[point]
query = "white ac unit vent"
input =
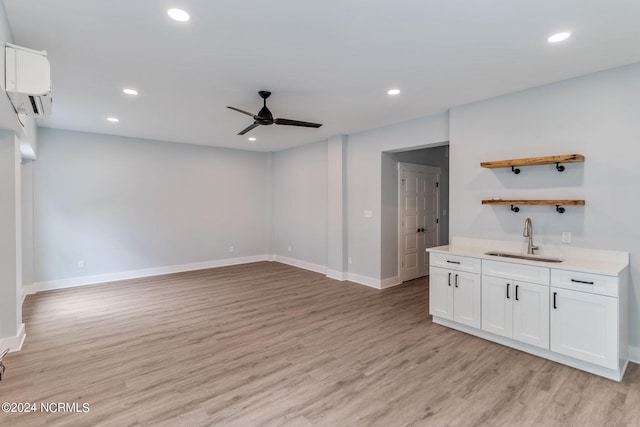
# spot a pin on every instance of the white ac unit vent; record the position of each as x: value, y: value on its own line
x: 28, y: 80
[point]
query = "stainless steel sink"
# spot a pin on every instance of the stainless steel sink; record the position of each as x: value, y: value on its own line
x: 527, y: 257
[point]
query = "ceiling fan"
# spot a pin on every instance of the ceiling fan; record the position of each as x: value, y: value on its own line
x: 264, y: 117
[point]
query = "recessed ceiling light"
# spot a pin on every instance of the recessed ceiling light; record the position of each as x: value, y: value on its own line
x: 130, y: 91
x: 252, y: 139
x: 559, y: 37
x: 393, y: 91
x: 113, y: 119
x: 178, y: 15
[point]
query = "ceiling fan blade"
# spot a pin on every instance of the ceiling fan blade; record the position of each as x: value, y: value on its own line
x: 241, y: 111
x: 296, y: 123
x: 248, y: 128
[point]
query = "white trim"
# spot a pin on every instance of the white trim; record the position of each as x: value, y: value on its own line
x: 134, y: 274
x: 337, y: 275
x: 13, y: 343
x: 634, y: 354
x: 390, y: 282
x: 364, y: 280
x: 301, y: 264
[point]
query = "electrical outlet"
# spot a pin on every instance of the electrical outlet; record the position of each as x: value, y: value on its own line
x: 289, y: 248
x: 230, y: 248
x: 81, y: 263
x: 566, y: 237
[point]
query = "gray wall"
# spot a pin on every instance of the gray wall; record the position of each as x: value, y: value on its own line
x: 125, y: 204
x: 27, y: 222
x: 595, y: 115
x: 10, y: 237
x: 368, y: 236
x: 300, y: 203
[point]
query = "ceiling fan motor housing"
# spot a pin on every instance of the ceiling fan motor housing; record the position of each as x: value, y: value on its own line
x: 264, y: 117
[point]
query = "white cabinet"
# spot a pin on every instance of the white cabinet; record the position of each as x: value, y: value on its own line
x: 531, y: 314
x: 574, y: 313
x: 454, y: 292
x: 466, y: 299
x: 585, y: 320
x: 513, y: 308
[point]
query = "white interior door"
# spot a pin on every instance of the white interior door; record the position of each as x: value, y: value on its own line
x: 418, y: 215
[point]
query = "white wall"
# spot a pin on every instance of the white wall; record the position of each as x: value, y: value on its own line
x: 300, y: 204
x: 123, y: 204
x: 595, y: 115
x: 364, y: 191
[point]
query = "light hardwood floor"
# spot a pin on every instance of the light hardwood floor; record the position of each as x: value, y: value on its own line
x: 269, y: 344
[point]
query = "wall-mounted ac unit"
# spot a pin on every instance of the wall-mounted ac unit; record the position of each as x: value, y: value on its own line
x: 28, y: 80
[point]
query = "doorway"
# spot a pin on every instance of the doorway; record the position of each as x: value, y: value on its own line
x: 436, y: 156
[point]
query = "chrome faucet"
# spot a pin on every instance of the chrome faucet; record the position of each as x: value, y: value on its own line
x: 528, y: 232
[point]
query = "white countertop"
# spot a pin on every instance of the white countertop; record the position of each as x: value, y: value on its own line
x: 596, y: 261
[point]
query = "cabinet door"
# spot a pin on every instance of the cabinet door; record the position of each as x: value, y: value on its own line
x: 584, y: 326
x: 466, y: 298
x: 497, y: 307
x: 531, y: 314
x: 441, y: 292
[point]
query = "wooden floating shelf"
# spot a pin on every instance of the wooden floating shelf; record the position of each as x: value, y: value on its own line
x: 533, y: 202
x: 514, y: 203
x: 532, y: 161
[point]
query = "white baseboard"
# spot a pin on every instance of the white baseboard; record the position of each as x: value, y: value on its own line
x: 364, y: 280
x: 391, y: 281
x: 301, y: 264
x: 135, y: 274
x: 634, y: 354
x: 337, y: 275
x: 13, y: 343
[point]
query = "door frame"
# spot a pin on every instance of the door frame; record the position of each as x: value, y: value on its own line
x: 414, y: 167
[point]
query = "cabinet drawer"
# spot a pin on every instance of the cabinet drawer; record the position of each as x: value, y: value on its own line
x: 455, y: 262
x: 514, y: 271
x: 585, y: 282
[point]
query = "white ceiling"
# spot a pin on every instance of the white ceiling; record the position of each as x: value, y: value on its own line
x: 327, y: 61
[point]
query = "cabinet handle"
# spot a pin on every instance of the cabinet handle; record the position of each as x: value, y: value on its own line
x: 517, y: 299
x: 555, y: 305
x: 456, y: 281
x: 508, y: 297
x: 582, y: 281
x: 449, y: 279
x: 453, y: 262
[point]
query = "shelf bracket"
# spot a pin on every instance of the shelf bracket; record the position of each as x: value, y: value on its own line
x: 560, y: 209
x: 515, y: 208
x: 515, y: 170
x: 559, y: 167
